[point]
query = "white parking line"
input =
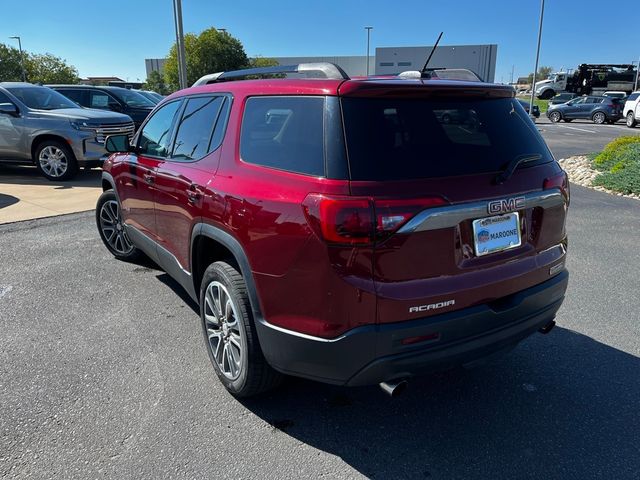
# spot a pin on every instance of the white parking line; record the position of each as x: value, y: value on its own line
x: 579, y: 129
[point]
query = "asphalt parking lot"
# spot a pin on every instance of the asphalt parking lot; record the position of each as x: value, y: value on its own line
x: 103, y: 374
x: 580, y: 136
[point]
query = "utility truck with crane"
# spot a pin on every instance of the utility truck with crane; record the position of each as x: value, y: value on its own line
x: 588, y: 79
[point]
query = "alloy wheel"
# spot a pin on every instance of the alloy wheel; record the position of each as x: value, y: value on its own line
x: 53, y: 161
x: 112, y: 228
x: 223, y: 330
x: 599, y: 118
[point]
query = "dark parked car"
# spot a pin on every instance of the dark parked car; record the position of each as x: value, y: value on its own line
x: 525, y: 105
x: 156, y: 98
x: 562, y: 98
x: 116, y: 99
x: 597, y: 109
x: 337, y: 229
x: 42, y: 127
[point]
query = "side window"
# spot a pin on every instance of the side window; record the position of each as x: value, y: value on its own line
x: 78, y: 96
x: 221, y: 126
x: 285, y: 133
x: 633, y: 96
x: 102, y: 100
x: 193, y: 136
x: 4, y: 98
x: 155, y: 136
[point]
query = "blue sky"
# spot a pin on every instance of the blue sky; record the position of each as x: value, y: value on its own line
x: 116, y: 37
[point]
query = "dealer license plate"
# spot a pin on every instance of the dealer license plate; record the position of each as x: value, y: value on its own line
x: 495, y: 234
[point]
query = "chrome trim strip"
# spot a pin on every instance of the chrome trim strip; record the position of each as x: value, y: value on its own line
x: 452, y: 215
x: 302, y: 335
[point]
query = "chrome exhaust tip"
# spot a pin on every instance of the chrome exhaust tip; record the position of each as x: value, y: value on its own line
x: 394, y: 388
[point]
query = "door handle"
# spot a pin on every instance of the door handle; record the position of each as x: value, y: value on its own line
x: 148, y: 178
x: 194, y: 193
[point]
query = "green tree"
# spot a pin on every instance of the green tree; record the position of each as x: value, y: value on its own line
x: 543, y: 72
x: 258, y: 61
x: 155, y: 82
x: 47, y: 68
x: 209, y: 52
x: 10, y: 68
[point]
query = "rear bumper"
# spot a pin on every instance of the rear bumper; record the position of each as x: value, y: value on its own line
x: 374, y: 353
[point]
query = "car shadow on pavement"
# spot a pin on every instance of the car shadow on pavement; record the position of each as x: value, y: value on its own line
x: 559, y: 406
x: 29, y: 175
x: 177, y: 289
x: 7, y: 200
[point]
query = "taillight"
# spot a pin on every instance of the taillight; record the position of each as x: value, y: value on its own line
x: 560, y: 181
x: 360, y: 220
x: 393, y: 214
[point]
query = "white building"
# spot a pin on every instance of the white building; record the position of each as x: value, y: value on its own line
x: 392, y: 60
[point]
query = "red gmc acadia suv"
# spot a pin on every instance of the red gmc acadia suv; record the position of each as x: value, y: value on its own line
x: 350, y: 231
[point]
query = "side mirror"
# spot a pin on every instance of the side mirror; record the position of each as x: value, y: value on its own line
x: 117, y: 144
x: 8, y: 109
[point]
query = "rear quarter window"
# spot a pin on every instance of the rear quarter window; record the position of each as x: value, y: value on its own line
x: 285, y: 133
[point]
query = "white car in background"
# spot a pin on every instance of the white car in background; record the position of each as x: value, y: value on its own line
x: 631, y: 109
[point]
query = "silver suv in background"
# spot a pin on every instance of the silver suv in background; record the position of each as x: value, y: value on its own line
x: 41, y: 126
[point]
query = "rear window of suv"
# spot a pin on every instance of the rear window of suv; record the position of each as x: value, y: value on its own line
x: 405, y: 139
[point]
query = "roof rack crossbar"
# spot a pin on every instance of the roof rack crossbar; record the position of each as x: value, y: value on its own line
x: 326, y: 70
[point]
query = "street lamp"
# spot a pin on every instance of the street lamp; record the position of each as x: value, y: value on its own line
x: 182, y: 57
x: 368, y: 29
x: 24, y: 74
x: 535, y: 71
x: 223, y: 30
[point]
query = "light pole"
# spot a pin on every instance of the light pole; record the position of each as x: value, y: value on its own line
x: 368, y: 29
x: 535, y: 71
x: 182, y: 60
x: 24, y: 74
x: 637, y: 75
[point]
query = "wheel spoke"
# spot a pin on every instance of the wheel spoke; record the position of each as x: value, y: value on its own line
x: 228, y: 313
x: 233, y: 368
x: 211, y: 318
x: 217, y: 303
x: 105, y: 212
x: 109, y: 236
x: 235, y: 340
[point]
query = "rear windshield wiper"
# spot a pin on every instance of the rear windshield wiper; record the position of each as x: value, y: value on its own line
x: 513, y: 164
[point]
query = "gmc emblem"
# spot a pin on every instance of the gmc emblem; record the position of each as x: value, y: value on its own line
x: 508, y: 205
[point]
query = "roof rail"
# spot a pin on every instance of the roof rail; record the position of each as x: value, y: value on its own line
x: 326, y: 70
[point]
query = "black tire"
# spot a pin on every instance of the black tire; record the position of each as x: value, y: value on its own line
x: 568, y: 120
x: 110, y: 227
x: 599, y: 118
x: 255, y: 375
x: 54, y: 167
x: 547, y: 94
x: 446, y: 118
x: 555, y: 117
x: 631, y: 120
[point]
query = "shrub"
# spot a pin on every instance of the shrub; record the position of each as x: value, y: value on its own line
x: 619, y: 163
